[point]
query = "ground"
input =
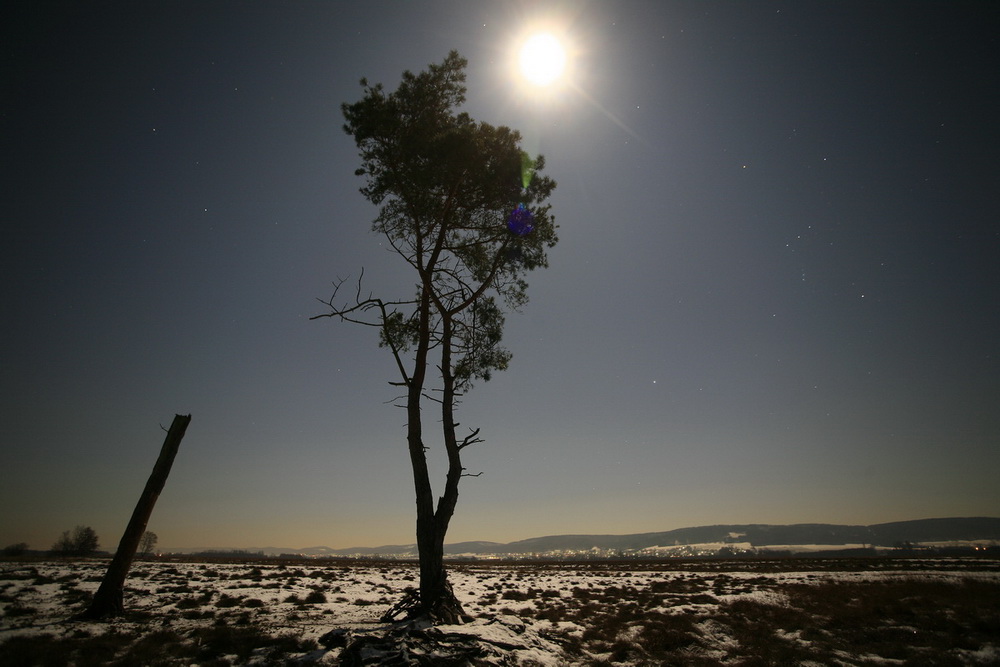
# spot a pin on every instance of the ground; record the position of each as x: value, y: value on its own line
x: 879, y: 611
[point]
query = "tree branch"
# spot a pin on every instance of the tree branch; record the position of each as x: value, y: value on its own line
x: 363, y: 306
x: 470, y: 439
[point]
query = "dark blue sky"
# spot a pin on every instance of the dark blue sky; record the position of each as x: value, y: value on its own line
x: 774, y: 299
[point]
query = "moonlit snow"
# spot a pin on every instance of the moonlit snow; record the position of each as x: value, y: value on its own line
x: 524, y: 613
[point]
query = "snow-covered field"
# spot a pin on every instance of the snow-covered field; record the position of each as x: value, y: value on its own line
x: 737, y: 612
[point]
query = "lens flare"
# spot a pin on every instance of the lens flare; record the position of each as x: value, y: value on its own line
x: 520, y: 221
x: 527, y: 169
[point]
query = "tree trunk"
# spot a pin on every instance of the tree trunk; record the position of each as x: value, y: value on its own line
x: 437, y: 598
x: 108, y: 600
x: 436, y: 602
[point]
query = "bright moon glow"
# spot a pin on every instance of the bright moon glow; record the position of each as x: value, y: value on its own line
x: 542, y: 59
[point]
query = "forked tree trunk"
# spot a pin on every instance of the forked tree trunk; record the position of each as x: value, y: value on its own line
x: 108, y: 600
x: 436, y: 602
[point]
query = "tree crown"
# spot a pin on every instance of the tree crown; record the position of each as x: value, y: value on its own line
x: 447, y: 188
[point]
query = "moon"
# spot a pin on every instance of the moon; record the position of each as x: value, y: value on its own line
x: 542, y: 59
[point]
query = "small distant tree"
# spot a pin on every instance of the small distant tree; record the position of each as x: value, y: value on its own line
x: 147, y: 543
x: 64, y: 545
x: 82, y: 541
x: 18, y: 549
x: 464, y: 207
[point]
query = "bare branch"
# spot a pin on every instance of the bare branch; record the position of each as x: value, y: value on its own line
x: 345, y: 313
x: 357, y: 295
x: 392, y: 401
x: 470, y: 439
x: 431, y: 398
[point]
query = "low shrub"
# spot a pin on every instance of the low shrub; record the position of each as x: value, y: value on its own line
x: 315, y: 597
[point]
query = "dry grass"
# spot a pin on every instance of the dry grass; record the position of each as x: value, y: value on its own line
x: 674, y: 613
x: 911, y: 622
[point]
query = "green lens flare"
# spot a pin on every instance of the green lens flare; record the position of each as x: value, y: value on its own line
x: 527, y: 169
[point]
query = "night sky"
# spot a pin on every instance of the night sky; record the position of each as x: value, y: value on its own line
x: 774, y: 299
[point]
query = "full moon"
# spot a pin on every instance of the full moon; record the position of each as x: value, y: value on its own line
x: 542, y: 59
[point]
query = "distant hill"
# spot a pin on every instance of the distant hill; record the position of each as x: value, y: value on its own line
x: 760, y: 535
x: 964, y: 529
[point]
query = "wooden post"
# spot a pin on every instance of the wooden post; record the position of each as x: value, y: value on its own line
x: 108, y: 600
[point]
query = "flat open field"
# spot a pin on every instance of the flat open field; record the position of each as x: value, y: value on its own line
x: 698, y: 612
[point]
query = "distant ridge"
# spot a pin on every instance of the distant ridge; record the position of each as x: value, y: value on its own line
x: 960, y: 529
